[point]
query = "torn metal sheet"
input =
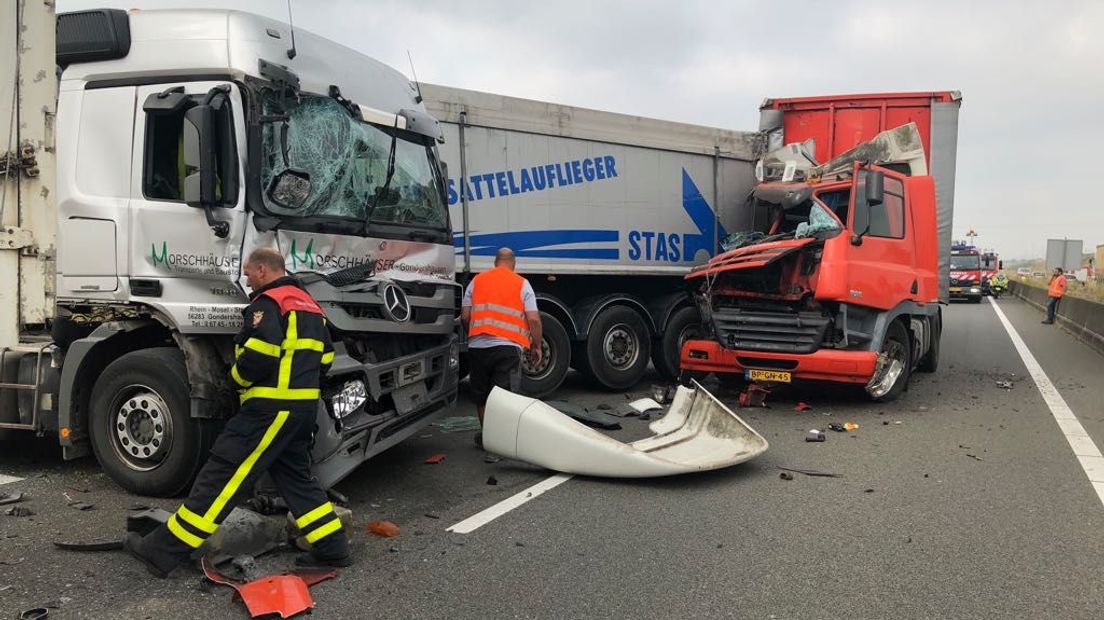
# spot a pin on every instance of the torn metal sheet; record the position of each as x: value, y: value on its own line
x: 699, y: 433
x: 900, y: 145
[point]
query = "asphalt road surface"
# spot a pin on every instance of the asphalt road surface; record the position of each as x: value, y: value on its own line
x: 961, y: 500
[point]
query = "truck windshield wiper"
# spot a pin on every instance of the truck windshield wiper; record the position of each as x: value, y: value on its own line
x: 383, y: 191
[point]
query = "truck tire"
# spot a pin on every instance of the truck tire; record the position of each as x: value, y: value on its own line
x: 930, y: 361
x: 617, y: 348
x: 542, y: 380
x: 140, y: 424
x: 683, y: 325
x: 898, y: 347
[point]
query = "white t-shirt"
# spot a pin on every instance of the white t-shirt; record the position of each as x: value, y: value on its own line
x: 483, y: 341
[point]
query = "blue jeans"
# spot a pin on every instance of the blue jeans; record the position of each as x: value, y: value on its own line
x: 1052, y: 307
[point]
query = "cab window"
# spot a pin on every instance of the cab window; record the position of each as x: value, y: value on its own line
x: 888, y: 218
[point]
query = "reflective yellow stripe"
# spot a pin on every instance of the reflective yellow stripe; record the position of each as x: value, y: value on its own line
x: 327, y: 358
x: 284, y: 380
x: 279, y: 394
x: 184, y: 535
x: 499, y: 324
x: 238, y: 378
x: 265, y: 348
x: 497, y: 308
x: 195, y: 520
x: 239, y: 476
x: 238, y: 350
x: 303, y: 344
x: 324, y: 531
x: 314, y: 515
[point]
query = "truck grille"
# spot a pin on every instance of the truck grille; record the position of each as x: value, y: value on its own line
x: 780, y: 332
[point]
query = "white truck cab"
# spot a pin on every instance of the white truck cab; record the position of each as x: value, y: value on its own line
x: 185, y: 139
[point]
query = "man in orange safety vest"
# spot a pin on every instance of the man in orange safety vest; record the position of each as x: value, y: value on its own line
x: 500, y: 312
x: 1055, y: 291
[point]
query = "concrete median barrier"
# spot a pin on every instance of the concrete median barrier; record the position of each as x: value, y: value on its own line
x: 1080, y: 317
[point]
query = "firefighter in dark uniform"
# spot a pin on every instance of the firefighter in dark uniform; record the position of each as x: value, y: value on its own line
x: 281, y: 352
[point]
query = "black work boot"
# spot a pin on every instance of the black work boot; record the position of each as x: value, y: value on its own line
x: 313, y: 561
x: 133, y: 544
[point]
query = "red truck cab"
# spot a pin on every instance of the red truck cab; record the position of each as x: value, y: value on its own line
x: 840, y: 277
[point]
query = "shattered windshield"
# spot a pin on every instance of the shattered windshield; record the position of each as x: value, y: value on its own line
x: 964, y: 262
x: 819, y: 221
x: 347, y: 163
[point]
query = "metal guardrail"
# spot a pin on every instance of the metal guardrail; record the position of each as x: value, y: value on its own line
x: 1081, y: 317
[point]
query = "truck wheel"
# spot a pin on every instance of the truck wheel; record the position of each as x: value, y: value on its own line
x: 685, y: 324
x: 140, y: 426
x: 617, y: 348
x: 892, y: 376
x: 930, y: 361
x: 543, y: 379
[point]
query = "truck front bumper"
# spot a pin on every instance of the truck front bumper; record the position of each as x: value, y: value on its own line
x: 822, y: 365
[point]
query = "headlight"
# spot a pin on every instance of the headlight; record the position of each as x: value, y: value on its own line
x: 349, y: 399
x: 454, y: 356
x: 975, y: 289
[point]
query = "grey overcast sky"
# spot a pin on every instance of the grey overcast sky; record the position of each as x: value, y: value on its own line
x: 1031, y: 75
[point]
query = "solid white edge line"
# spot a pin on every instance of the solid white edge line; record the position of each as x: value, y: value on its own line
x: 480, y: 519
x: 4, y: 479
x: 1083, y: 446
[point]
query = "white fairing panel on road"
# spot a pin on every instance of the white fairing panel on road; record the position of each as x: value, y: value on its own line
x: 698, y: 433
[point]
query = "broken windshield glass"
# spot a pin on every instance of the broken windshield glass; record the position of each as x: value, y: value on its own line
x: 819, y: 221
x: 347, y: 163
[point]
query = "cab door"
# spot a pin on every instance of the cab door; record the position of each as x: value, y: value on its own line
x: 178, y: 263
x: 882, y: 256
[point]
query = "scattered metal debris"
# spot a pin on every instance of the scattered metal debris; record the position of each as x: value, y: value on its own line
x: 837, y: 427
x: 786, y: 475
x: 974, y: 456
x: 810, y: 472
x: 815, y: 435
x: 663, y: 394
x: 645, y: 405
x: 458, y: 424
x: 1006, y: 385
x: 103, y: 544
x: 19, y: 511
x: 432, y: 515
x: 596, y: 419
x: 10, y: 498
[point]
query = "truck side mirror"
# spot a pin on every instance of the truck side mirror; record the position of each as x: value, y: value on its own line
x: 200, y: 157
x: 1000, y: 264
x: 875, y: 187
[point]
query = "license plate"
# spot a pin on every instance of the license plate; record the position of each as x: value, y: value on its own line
x: 409, y: 373
x: 777, y: 376
x: 956, y: 289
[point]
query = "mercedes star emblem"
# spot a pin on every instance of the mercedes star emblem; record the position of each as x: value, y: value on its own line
x: 395, y: 304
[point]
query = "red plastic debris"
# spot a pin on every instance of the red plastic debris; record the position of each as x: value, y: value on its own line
x: 283, y: 595
x: 436, y: 458
x: 802, y: 407
x: 385, y: 529
x: 754, y: 396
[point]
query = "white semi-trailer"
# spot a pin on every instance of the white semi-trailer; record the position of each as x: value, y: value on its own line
x: 606, y: 213
x: 140, y: 162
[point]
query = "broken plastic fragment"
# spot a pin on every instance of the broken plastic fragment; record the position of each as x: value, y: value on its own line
x: 283, y: 595
x: 385, y: 529
x: 802, y: 407
x: 815, y: 435
x: 645, y: 405
x: 850, y: 426
x: 698, y: 433
x: 435, y: 459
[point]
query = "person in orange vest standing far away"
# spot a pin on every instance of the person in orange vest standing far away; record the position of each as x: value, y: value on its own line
x: 501, y: 316
x: 1055, y: 292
